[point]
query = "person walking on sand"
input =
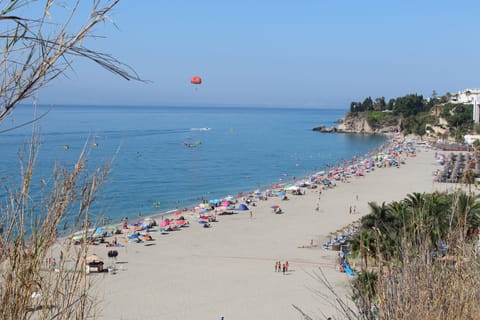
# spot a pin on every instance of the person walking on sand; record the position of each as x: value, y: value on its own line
x: 286, y: 266
x: 283, y: 268
x: 251, y: 214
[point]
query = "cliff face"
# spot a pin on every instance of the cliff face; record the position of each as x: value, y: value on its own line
x: 354, y: 125
x: 358, y: 124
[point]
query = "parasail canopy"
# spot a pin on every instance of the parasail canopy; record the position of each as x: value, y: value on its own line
x: 196, y: 80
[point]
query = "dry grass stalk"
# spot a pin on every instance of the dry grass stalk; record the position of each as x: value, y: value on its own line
x: 35, y: 50
x: 29, y: 287
x: 425, y: 288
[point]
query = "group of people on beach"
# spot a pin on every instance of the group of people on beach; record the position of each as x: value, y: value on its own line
x: 279, y: 267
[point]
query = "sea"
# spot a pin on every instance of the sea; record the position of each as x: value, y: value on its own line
x: 167, y: 158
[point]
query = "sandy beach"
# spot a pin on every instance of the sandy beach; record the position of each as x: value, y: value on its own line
x: 229, y: 269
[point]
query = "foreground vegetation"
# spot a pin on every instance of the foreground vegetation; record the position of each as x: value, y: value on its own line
x: 37, y: 49
x: 419, y: 259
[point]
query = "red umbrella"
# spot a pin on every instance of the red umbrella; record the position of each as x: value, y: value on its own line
x: 177, y: 212
x: 275, y: 206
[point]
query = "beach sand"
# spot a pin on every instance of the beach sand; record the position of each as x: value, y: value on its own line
x: 229, y: 269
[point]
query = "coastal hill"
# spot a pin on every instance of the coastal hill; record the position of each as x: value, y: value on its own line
x: 435, y: 118
x: 358, y: 123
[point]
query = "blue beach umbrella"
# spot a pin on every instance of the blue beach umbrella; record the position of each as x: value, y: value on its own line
x: 242, y: 207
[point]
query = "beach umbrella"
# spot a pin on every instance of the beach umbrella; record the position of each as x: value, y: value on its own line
x: 164, y: 223
x: 112, y: 228
x: 242, y: 207
x: 225, y: 203
x: 177, y: 212
x: 150, y: 221
x: 180, y: 223
x: 133, y: 236
x: 275, y: 206
x: 99, y: 231
x: 202, y: 221
x: 77, y: 236
x: 228, y: 198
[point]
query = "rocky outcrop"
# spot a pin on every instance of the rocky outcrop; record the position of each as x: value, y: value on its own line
x: 357, y: 123
x: 325, y: 129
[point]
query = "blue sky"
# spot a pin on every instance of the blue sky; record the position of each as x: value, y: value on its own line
x: 302, y: 53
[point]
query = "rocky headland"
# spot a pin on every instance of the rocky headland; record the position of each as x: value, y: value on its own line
x: 358, y: 123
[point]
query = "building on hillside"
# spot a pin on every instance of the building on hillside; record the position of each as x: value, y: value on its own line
x: 471, y: 138
x: 469, y: 96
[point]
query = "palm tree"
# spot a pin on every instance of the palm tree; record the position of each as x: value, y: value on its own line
x: 466, y: 210
x: 364, y: 244
x: 377, y: 217
x: 415, y: 200
x: 468, y: 177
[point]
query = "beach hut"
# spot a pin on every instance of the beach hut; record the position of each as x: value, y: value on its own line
x: 94, y: 264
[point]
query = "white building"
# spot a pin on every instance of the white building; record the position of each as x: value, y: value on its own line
x: 471, y: 138
x: 469, y: 96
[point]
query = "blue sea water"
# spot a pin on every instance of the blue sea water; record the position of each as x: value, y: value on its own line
x: 164, y: 155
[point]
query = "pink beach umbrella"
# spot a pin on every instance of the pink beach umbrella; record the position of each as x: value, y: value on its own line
x: 180, y: 222
x: 164, y: 223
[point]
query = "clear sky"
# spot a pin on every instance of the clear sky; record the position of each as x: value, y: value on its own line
x: 302, y: 53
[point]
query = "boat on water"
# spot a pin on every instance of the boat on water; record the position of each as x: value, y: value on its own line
x: 201, y: 129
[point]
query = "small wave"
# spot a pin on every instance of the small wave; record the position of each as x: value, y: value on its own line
x: 200, y: 129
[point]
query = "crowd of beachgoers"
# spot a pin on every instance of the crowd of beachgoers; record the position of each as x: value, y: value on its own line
x: 392, y: 154
x: 219, y: 243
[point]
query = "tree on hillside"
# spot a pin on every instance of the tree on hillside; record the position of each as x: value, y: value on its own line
x: 409, y: 105
x: 379, y: 104
x: 35, y: 51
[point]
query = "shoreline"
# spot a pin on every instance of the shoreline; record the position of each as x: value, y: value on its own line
x: 169, y: 212
x: 229, y: 269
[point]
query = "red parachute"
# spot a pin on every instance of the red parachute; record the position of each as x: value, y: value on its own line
x: 196, y: 80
